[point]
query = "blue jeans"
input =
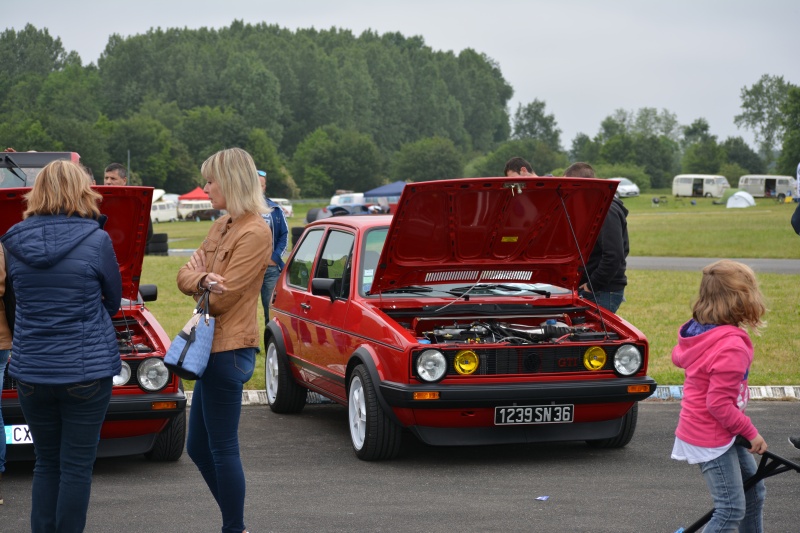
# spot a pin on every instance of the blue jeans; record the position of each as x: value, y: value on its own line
x: 3, y: 362
x: 270, y: 279
x: 65, y: 423
x: 734, y: 510
x: 609, y: 300
x: 213, y: 441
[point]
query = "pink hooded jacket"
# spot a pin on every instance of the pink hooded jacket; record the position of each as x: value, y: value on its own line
x: 715, y: 391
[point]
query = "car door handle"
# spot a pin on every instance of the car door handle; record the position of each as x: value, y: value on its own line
x: 306, y: 306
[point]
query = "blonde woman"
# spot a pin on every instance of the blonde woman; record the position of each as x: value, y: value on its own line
x: 230, y: 263
x: 68, y: 287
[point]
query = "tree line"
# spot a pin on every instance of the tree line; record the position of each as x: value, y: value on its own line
x: 322, y: 110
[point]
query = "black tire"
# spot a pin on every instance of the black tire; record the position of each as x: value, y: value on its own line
x: 284, y: 395
x: 781, y: 198
x: 159, y: 237
x: 374, y: 435
x: 312, y: 214
x: 170, y: 442
x: 708, y: 195
x: 158, y: 248
x: 625, y: 435
x: 297, y: 232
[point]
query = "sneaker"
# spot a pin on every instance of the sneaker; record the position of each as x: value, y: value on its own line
x: 795, y: 441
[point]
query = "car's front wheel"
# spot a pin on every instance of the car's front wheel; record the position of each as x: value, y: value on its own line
x: 373, y: 434
x: 284, y: 395
x: 624, y: 436
x: 169, y: 443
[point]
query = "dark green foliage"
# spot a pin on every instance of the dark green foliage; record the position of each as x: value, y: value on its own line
x: 790, y: 113
x: 543, y: 159
x: 737, y: 152
x: 434, y: 158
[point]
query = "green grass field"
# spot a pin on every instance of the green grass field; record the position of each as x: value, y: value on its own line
x: 657, y: 302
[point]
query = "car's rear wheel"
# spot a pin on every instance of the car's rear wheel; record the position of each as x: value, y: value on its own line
x: 169, y: 443
x: 625, y: 435
x: 373, y: 434
x: 284, y: 395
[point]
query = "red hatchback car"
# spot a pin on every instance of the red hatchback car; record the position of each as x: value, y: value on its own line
x: 147, y: 413
x: 458, y: 318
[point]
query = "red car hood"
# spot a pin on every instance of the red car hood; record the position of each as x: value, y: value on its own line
x: 493, y: 230
x: 128, y: 211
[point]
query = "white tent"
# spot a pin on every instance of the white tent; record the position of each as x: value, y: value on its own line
x: 741, y: 199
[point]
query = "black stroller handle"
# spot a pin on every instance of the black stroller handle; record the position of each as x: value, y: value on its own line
x: 770, y: 465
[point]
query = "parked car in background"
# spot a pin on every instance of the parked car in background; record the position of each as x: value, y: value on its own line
x: 164, y: 212
x: 187, y: 207
x: 147, y: 413
x: 696, y: 185
x: 205, y: 214
x: 626, y: 188
x: 459, y: 319
x: 286, y: 206
x: 767, y: 186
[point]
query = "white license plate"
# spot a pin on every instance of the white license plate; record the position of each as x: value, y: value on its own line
x: 19, y: 434
x: 534, y: 414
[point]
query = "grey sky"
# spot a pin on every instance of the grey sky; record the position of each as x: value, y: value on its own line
x: 584, y: 58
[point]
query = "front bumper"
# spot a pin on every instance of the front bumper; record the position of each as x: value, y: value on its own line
x: 492, y: 395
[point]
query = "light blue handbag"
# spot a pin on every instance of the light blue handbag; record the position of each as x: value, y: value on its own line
x: 190, y: 349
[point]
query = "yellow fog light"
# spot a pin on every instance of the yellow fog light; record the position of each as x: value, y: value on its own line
x: 594, y: 358
x: 466, y: 362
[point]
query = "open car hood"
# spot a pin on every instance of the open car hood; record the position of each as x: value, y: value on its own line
x: 493, y: 230
x: 128, y: 211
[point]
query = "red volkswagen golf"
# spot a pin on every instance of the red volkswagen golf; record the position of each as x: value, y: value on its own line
x: 459, y: 319
x: 147, y: 413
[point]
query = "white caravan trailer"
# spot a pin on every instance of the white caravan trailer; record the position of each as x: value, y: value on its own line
x: 707, y: 185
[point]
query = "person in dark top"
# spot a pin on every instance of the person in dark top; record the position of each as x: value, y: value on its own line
x: 795, y: 441
x: 604, y: 279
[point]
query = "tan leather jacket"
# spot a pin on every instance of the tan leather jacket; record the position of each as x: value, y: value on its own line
x: 5, y: 331
x: 238, y: 250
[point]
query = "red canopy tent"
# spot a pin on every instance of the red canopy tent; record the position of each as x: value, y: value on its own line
x: 196, y: 194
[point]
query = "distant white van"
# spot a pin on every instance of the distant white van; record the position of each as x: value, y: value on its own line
x: 707, y: 185
x: 350, y: 198
x: 189, y: 206
x: 768, y: 186
x: 164, y: 212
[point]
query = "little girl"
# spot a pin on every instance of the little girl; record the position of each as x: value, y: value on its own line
x: 715, y: 352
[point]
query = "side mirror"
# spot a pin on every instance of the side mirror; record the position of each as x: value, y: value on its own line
x: 324, y: 287
x: 149, y: 293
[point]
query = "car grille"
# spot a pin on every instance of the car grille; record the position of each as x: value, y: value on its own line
x: 525, y: 360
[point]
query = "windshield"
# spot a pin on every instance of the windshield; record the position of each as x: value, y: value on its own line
x: 373, y: 245
x: 8, y: 178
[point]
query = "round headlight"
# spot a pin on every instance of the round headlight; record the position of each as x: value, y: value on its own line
x: 431, y: 365
x: 466, y: 362
x: 123, y: 376
x: 627, y: 360
x: 594, y: 358
x: 152, y: 374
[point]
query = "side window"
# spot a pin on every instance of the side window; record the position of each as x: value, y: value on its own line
x: 335, y: 259
x: 303, y: 260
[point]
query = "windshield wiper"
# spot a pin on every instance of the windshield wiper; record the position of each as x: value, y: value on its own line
x: 410, y: 288
x: 11, y: 165
x: 498, y: 286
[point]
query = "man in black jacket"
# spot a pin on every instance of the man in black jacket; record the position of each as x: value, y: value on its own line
x: 604, y: 279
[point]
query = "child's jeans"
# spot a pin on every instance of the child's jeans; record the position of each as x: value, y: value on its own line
x: 733, y: 509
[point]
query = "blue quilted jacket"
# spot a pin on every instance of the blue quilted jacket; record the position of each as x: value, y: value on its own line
x: 68, y: 286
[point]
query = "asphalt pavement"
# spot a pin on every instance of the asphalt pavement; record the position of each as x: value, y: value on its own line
x: 303, y: 476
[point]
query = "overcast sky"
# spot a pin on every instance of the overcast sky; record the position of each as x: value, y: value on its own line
x: 583, y: 58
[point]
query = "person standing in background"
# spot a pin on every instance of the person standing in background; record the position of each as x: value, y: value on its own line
x: 115, y: 174
x: 67, y: 283
x: 795, y: 440
x: 276, y: 221
x: 604, y: 279
x: 230, y: 264
x: 516, y: 166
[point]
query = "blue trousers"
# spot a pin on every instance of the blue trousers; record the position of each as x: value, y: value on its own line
x: 608, y: 300
x: 213, y: 441
x: 270, y: 279
x: 3, y: 362
x: 734, y: 509
x: 65, y: 422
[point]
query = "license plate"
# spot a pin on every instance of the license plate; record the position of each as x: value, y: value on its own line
x: 533, y: 414
x: 19, y: 434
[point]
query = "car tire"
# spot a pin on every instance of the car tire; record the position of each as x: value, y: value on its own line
x: 373, y: 434
x: 284, y: 395
x: 170, y: 442
x: 625, y: 435
x: 157, y: 248
x: 159, y: 237
x: 312, y: 214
